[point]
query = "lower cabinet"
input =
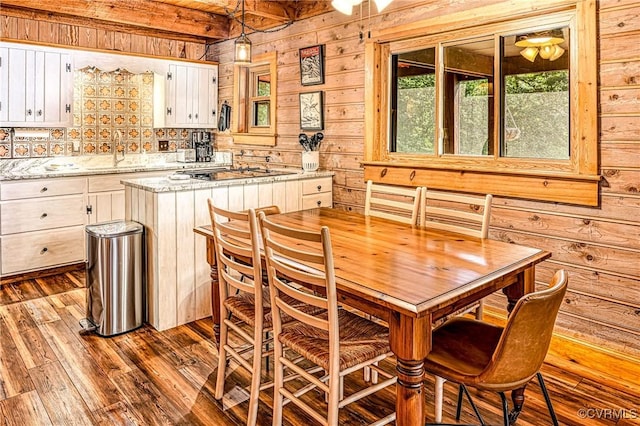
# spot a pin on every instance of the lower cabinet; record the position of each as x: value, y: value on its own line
x: 42, y: 220
x: 41, y: 224
x: 42, y: 249
x: 178, y: 275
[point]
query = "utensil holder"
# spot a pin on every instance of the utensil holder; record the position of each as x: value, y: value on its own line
x: 310, y: 161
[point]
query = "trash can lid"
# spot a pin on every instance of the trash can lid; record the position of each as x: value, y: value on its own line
x: 115, y: 228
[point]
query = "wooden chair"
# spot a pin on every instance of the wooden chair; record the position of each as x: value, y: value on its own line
x: 488, y: 357
x: 244, y: 300
x: 463, y: 214
x: 392, y: 202
x: 300, y: 269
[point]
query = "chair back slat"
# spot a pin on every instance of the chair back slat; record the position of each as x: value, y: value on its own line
x: 237, y: 248
x: 453, y: 212
x: 527, y: 335
x: 300, y: 271
x: 392, y: 202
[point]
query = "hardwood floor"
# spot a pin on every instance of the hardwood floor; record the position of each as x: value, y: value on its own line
x: 50, y: 374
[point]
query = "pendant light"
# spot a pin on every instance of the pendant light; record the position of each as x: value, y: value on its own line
x: 243, y: 45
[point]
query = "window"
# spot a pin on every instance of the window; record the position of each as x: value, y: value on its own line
x: 505, y: 107
x: 254, y: 101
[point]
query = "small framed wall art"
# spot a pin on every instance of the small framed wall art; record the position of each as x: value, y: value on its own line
x: 312, y: 65
x: 311, y: 111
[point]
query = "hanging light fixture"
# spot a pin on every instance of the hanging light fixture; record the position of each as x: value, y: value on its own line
x: 346, y: 6
x: 544, y: 43
x: 243, y: 45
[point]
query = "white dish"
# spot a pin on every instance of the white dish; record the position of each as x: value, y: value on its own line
x: 57, y: 166
x: 179, y: 177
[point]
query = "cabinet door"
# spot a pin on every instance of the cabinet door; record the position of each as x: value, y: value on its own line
x: 192, y: 95
x: 17, y: 75
x: 53, y: 104
x: 4, y: 84
x: 40, y: 88
x: 212, y: 97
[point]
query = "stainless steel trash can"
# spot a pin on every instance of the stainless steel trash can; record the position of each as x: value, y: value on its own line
x: 115, y: 277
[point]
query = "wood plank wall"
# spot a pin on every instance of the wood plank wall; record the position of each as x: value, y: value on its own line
x: 600, y: 247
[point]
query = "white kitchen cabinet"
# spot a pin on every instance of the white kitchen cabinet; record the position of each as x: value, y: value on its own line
x: 36, y: 86
x: 105, y: 195
x: 317, y: 193
x: 41, y: 224
x: 191, y: 95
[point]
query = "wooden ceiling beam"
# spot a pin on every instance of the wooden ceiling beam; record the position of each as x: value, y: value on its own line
x: 37, y: 15
x: 146, y: 14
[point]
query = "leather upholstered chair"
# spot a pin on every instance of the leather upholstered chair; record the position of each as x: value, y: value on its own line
x: 336, y: 342
x: 499, y: 359
x: 463, y: 214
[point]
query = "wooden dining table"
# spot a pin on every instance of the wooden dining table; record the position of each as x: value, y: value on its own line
x: 410, y: 277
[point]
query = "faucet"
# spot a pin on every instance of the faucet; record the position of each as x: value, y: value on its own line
x: 117, y: 140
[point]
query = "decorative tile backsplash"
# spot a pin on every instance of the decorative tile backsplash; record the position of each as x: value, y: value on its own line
x: 104, y: 102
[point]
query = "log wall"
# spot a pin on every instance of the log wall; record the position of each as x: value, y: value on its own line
x: 600, y: 247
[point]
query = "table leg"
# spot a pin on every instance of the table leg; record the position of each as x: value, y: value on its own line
x: 215, y: 290
x: 410, y: 340
x: 524, y: 285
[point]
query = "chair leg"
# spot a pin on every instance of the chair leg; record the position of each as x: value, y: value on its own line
x: 439, y: 387
x: 480, y: 310
x: 254, y: 398
x: 278, y: 383
x: 222, y: 359
x: 552, y: 412
x: 459, y: 404
x: 473, y: 405
x: 505, y: 409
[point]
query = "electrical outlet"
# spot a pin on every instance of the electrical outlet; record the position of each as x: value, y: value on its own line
x: 163, y: 146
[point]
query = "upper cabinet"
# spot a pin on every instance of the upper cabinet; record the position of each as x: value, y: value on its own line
x: 36, y: 86
x: 191, y: 96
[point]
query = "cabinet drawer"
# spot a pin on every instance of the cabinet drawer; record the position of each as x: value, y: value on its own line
x: 43, y: 249
x: 324, y: 199
x: 315, y: 186
x: 41, y: 214
x: 42, y: 188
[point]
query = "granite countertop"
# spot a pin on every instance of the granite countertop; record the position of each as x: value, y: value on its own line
x: 164, y: 184
x: 39, y: 168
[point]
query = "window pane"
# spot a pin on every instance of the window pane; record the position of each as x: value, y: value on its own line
x: 535, y: 70
x: 413, y: 106
x: 263, y: 86
x: 468, y: 98
x: 261, y: 113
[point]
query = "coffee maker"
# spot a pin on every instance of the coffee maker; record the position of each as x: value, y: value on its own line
x: 201, y: 141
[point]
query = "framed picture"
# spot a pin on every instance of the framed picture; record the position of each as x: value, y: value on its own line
x: 311, y: 115
x: 312, y: 65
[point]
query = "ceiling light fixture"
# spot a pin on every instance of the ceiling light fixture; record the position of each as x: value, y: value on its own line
x: 243, y: 45
x: 346, y: 6
x: 545, y: 43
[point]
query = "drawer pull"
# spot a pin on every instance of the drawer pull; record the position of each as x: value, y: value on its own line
x: 319, y: 203
x: 44, y: 189
x: 319, y: 188
x: 44, y: 250
x: 43, y: 215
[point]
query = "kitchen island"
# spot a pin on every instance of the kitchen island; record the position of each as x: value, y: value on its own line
x: 178, y: 275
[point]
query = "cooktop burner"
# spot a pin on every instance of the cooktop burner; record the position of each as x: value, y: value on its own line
x: 225, y: 174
